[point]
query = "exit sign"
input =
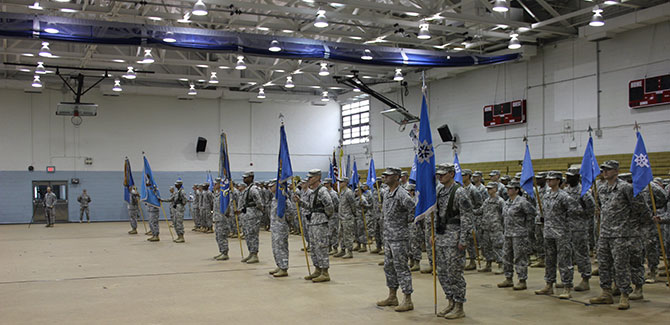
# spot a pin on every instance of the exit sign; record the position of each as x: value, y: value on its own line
x: 51, y: 169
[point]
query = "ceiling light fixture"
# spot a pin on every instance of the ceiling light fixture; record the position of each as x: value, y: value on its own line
x: 202, y: 66
x: 62, y: 0
x: 289, y: 82
x: 323, y: 71
x: 514, y: 43
x: 169, y: 38
x: 199, y: 9
x: 186, y: 19
x: 67, y: 10
x: 263, y: 28
x: 324, y: 97
x: 412, y: 14
x: 597, y: 18
x: 612, y: 2
x: 240, y: 63
x: 36, y: 6
x: 321, y: 21
x: 45, y: 52
x: 398, y: 75
x: 274, y: 46
x: 148, y: 57
x: 117, y: 85
x: 118, y: 61
x: 130, y: 74
x: 40, y: 68
x: 357, y: 90
x: 191, y: 90
x: 500, y: 6
x: 213, y: 79
x: 424, y: 33
x: 154, y: 18
x: 36, y: 82
x: 367, y: 55
x: 261, y: 93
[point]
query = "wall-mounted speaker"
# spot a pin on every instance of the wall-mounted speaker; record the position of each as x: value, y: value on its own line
x: 201, y: 145
x: 445, y: 134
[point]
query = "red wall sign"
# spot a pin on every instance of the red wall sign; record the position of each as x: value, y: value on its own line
x: 649, y: 92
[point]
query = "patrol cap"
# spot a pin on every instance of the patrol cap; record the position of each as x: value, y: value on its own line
x: 410, y: 187
x: 466, y: 171
x: 343, y: 179
x: 392, y: 171
x: 217, y: 180
x: 572, y: 172
x: 626, y: 177
x: 327, y: 180
x: 404, y: 173
x: 477, y: 173
x: 610, y: 164
x: 314, y: 172
x: 554, y: 175
x: 494, y: 172
x: 505, y: 178
x: 444, y: 168
x: 658, y: 180
x: 493, y: 185
x: 248, y: 174
x: 513, y: 185
x: 179, y: 181
x: 517, y: 175
x: 541, y: 175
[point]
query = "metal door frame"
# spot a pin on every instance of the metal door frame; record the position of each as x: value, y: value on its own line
x: 62, y: 208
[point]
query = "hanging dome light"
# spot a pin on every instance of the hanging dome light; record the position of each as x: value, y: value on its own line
x: 274, y: 46
x: 500, y: 6
x: 191, y: 90
x: 514, y: 43
x: 117, y: 85
x: 36, y: 82
x: 199, y: 9
x: 261, y: 93
x: 51, y: 29
x: 40, y: 68
x: 424, y: 33
x: 398, y: 75
x: 357, y: 90
x: 324, y: 97
x: 323, y: 71
x: 213, y: 79
x: 130, y: 74
x: 367, y: 55
x: 169, y: 38
x: 597, y: 18
x: 148, y: 57
x: 45, y: 52
x: 36, y: 6
x: 321, y: 21
x: 240, y: 63
x: 289, y: 82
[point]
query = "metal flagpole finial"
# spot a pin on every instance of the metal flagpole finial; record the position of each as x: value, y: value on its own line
x: 281, y: 118
x: 590, y: 130
x: 423, y: 81
x: 143, y: 152
x: 525, y: 139
x: 636, y: 127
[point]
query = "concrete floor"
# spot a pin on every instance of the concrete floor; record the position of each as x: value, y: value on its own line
x: 96, y: 273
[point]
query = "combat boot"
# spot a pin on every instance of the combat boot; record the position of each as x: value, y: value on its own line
x: 381, y: 251
x: 651, y: 278
x: 332, y: 251
x: 222, y: 257
x: 470, y: 266
x: 149, y: 233
x: 486, y: 268
x: 521, y: 285
x: 391, y: 300
x: 209, y: 230
x: 406, y: 304
x: 623, y: 302
x: 446, y: 310
x: 244, y: 260
x: 348, y: 255
x: 605, y: 298
x: 427, y: 270
x: 363, y: 249
x: 566, y: 293
x: 274, y: 271
x: 253, y: 259
x: 596, y: 272
x: 153, y: 238
x: 341, y: 253
x: 637, y: 293
x: 357, y: 247
x: 457, y: 312
x: 560, y: 285
x: 375, y: 250
x: 415, y: 267
x: 180, y: 239
x: 583, y: 286
x: 133, y: 232
x: 538, y: 263
x: 281, y: 273
x: 615, y: 290
x: 381, y: 263
x: 508, y: 283
x: 499, y: 270
x: 314, y: 275
x: 547, y: 290
x: 323, y: 277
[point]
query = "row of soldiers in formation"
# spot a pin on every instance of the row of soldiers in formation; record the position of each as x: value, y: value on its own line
x: 499, y: 219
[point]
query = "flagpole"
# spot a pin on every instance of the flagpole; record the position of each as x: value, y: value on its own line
x: 237, y: 223
x: 432, y: 242
x: 660, y: 235
x: 302, y: 234
x: 167, y: 221
x: 594, y: 186
x: 365, y: 224
x: 142, y: 216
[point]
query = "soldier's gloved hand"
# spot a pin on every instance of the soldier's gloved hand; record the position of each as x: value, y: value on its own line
x: 461, y: 247
x: 657, y: 219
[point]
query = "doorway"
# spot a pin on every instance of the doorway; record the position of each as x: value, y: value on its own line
x: 40, y: 190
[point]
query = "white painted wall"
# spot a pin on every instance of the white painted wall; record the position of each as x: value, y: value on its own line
x: 166, y: 128
x: 560, y: 87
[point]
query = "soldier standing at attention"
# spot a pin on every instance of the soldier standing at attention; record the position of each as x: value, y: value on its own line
x: 453, y: 226
x: 398, y: 212
x: 539, y: 222
x: 579, y: 226
x: 153, y: 219
x: 279, y: 230
x: 415, y: 232
x: 346, y: 212
x: 178, y: 206
x: 197, y: 196
x: 476, y: 200
x: 320, y: 205
x: 220, y: 224
x: 491, y: 227
x: 251, y: 208
x: 84, y: 200
x: 133, y: 210
x: 334, y: 221
x: 559, y: 208
x: 206, y: 206
x: 50, y: 207
x: 619, y: 249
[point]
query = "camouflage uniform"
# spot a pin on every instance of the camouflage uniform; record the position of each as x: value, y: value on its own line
x: 428, y: 230
x: 206, y: 205
x: 347, y: 209
x: 517, y: 215
x: 251, y: 205
x: 452, y: 228
x: 649, y: 232
x: 378, y: 225
x: 178, y: 205
x: 476, y: 200
x: 619, y: 250
x: 50, y: 208
x: 134, y: 209
x: 279, y: 229
x: 539, y: 226
x: 334, y: 221
x: 579, y: 226
x: 490, y: 221
x: 559, y: 207
x: 220, y: 224
x: 416, y: 235
x: 321, y: 208
x: 398, y: 214
x: 195, y: 212
x: 84, y: 200
x: 153, y: 212
x: 365, y: 205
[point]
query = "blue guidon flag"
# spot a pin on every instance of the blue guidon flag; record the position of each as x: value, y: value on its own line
x: 149, y: 192
x: 527, y: 174
x: 458, y: 176
x: 284, y: 172
x: 224, y: 173
x: 372, y: 175
x: 640, y: 167
x: 128, y: 182
x: 590, y: 168
x: 355, y: 178
x: 425, y: 167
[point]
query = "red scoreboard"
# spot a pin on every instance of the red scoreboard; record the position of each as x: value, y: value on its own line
x: 649, y: 92
x: 508, y: 113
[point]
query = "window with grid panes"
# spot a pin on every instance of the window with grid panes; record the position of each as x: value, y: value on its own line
x: 356, y: 122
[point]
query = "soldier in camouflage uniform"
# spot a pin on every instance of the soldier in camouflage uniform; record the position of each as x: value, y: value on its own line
x: 538, y: 242
x: 579, y: 226
x: 251, y: 208
x: 133, y: 210
x: 84, y: 199
x: 518, y: 214
x: 398, y: 214
x: 279, y: 229
x: 490, y: 221
x: 220, y: 223
x: 453, y: 226
x: 365, y: 206
x: 334, y: 221
x: 232, y: 213
x: 416, y: 234
x: 504, y: 180
x: 206, y: 207
x: 320, y: 205
x: 195, y: 213
x: 559, y: 208
x: 378, y: 225
x: 346, y: 212
x: 177, y: 201
x: 477, y: 182
x: 622, y: 215
x: 153, y: 212
x: 50, y: 207
x: 476, y: 200
x: 649, y: 232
